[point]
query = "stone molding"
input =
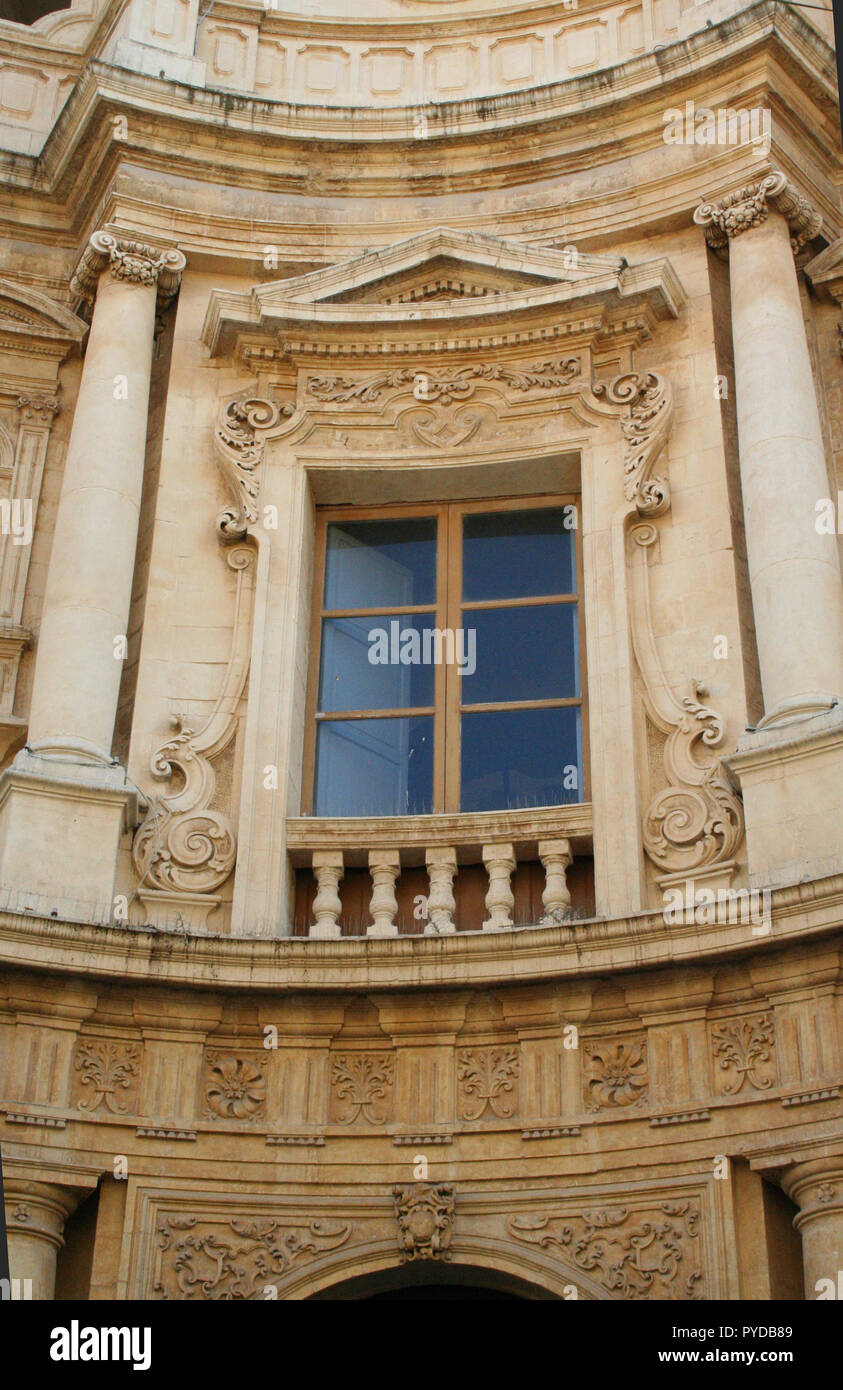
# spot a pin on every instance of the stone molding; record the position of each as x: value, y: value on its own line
x: 134, y: 262
x: 738, y: 212
x: 425, y: 1216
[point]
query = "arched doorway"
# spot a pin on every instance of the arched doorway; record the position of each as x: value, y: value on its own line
x: 433, y: 1280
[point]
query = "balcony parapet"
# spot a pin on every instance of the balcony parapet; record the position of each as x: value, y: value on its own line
x: 442, y: 844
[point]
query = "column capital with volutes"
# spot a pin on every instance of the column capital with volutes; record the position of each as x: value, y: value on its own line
x: 130, y: 259
x: 748, y: 207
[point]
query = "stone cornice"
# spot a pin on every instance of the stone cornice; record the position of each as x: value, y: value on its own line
x: 602, y: 290
x: 69, y: 168
x: 802, y: 914
x: 747, y: 207
x: 134, y: 262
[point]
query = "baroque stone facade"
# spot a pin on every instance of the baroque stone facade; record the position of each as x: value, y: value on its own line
x: 260, y: 274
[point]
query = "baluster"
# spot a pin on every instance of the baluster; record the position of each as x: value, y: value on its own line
x: 328, y: 867
x: 556, y: 857
x: 500, y: 900
x: 441, y: 867
x: 384, y: 867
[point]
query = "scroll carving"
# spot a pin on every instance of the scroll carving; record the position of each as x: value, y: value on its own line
x: 445, y: 387
x: 183, y: 845
x: 239, y: 450
x: 646, y: 431
x: 238, y: 1257
x: 648, y: 1254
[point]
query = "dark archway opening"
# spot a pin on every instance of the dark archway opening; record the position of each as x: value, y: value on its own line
x: 434, y: 1279
x: 27, y: 11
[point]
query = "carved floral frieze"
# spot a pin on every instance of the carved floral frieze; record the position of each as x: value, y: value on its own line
x: 445, y: 386
x: 743, y: 1050
x: 615, y: 1072
x: 234, y: 1085
x: 362, y: 1086
x: 425, y: 1215
x: 236, y: 1257
x: 487, y: 1079
x: 649, y: 1253
x: 108, y: 1071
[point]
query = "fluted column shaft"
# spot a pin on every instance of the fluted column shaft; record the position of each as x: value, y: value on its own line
x: 794, y: 573
x: 89, y: 583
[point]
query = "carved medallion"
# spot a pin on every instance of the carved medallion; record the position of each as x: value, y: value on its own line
x: 425, y: 1215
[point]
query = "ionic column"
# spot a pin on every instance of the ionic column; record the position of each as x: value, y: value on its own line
x: 441, y: 904
x: 500, y: 899
x: 35, y: 1216
x: 817, y: 1189
x: 384, y: 867
x: 89, y: 582
x: 797, y: 596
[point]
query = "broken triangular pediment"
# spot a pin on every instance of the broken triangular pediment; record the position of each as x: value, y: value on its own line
x: 442, y: 285
x: 30, y: 313
x: 441, y: 264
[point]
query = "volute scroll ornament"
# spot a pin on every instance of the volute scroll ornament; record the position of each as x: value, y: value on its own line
x: 646, y: 430
x: 238, y: 440
x: 696, y: 821
x: 184, y: 845
x: 132, y: 261
x: 748, y: 207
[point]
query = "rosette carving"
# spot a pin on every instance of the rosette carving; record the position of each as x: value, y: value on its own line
x: 239, y: 448
x: 183, y: 845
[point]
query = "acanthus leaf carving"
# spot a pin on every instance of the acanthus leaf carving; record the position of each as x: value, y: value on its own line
x: 183, y: 845
x: 646, y: 1254
x: 107, y: 1066
x: 362, y: 1083
x: 238, y: 440
x: 744, y: 1049
x: 487, y: 1077
x: 448, y: 386
x: 236, y: 1257
x: 646, y: 430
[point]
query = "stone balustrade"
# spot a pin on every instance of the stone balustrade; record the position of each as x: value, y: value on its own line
x: 443, y: 846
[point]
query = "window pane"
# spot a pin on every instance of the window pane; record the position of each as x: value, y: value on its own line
x: 518, y: 554
x: 513, y: 758
x: 529, y: 653
x: 375, y: 663
x: 374, y: 767
x: 380, y: 564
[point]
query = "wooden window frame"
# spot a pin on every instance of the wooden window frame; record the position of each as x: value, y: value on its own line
x: 447, y: 612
